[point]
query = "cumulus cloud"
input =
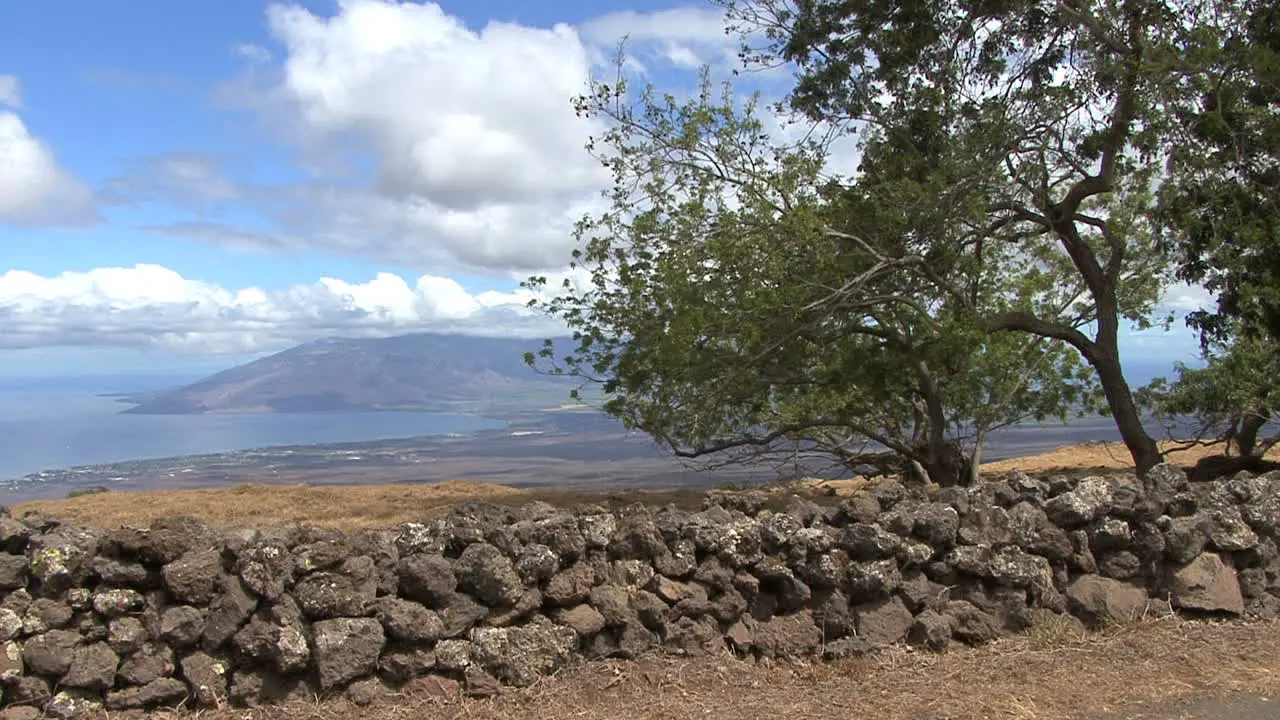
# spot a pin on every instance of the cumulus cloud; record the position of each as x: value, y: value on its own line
x: 153, y: 307
x: 684, y: 37
x: 426, y: 142
x: 34, y: 188
x: 1183, y: 298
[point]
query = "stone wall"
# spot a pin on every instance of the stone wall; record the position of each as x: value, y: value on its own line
x: 491, y: 596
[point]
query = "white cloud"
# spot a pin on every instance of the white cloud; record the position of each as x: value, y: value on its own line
x: 427, y: 142
x: 685, y: 37
x: 10, y: 94
x: 153, y: 307
x: 190, y: 180
x: 34, y: 188
x: 1183, y: 298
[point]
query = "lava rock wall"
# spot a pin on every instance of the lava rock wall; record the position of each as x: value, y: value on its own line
x: 493, y: 596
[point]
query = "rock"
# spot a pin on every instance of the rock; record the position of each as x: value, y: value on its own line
x: 930, y: 630
x: 778, y: 580
x: 404, y: 665
x: 1034, y: 533
x: 327, y: 595
x: 266, y: 568
x: 844, y: 648
x: 867, y: 542
x: 1184, y: 538
x: 485, y: 572
x: 168, y: 539
x: 536, y: 563
x: 59, y: 561
x: 559, y: 532
x: 673, y: 591
x: 520, y: 655
x: 613, y: 603
x: 636, y: 536
x: 597, y: 529
x: 434, y: 687
x: 1227, y: 530
x: 969, y: 624
x: 1108, y: 534
x: 787, y: 636
x: 126, y: 635
x: 72, y: 704
x: 206, y: 678
x: 833, y: 615
x: 461, y: 614
x: 10, y: 624
x: 14, y: 536
x: 692, y: 637
x: 46, y: 614
x: 27, y: 690
x: 193, y: 578
x: 870, y: 580
x: 408, y: 621
x: 117, y: 602
x: 531, y: 600
x: 884, y: 622
x: 346, y: 649
x: 584, y: 619
x: 921, y: 593
x: 162, y: 692
x: 13, y: 572
x: 363, y: 693
x: 11, y: 665
x: 51, y: 653
x: 986, y: 525
x: 453, y: 654
x: 1100, y: 601
x: 275, y: 640
x: 21, y: 712
x: 1090, y: 499
x: 570, y: 586
x: 861, y: 508
x: 936, y: 524
x: 229, y: 611
x: 427, y: 579
x: 181, y: 626
x: 1008, y: 566
x: 1207, y: 584
x: 1120, y: 565
x: 146, y: 665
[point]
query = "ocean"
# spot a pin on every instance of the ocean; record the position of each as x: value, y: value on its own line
x: 45, y: 428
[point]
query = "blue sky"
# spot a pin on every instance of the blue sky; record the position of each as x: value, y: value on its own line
x: 192, y: 184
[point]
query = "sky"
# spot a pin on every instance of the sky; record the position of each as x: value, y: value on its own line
x: 184, y: 186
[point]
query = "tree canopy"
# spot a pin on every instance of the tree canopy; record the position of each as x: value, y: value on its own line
x: 1031, y: 174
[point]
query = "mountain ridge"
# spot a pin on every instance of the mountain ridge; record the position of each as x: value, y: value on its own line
x: 420, y: 372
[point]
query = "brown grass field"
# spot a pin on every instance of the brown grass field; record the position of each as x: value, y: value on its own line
x: 1154, y: 669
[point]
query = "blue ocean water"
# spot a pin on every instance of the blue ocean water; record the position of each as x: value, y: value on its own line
x: 45, y: 426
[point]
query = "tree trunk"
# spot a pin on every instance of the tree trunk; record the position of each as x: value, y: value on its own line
x: 1143, y: 448
x: 975, y: 461
x: 1245, y: 440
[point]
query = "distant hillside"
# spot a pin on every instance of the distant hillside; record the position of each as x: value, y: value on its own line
x: 412, y: 372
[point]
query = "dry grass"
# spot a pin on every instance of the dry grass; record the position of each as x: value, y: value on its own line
x: 348, y: 507
x: 1118, y: 674
x: 342, y: 507
x: 1108, y: 456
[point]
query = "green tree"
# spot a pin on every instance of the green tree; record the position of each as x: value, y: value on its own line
x: 1232, y: 398
x: 744, y: 304
x: 1061, y: 115
x: 1221, y: 206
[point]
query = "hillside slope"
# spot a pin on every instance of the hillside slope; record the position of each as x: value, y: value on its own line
x: 425, y: 371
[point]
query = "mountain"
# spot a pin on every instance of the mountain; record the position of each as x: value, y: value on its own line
x: 425, y: 371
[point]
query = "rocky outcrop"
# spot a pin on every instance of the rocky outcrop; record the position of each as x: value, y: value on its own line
x: 493, y: 596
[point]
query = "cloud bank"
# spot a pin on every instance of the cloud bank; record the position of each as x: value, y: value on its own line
x: 153, y: 307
